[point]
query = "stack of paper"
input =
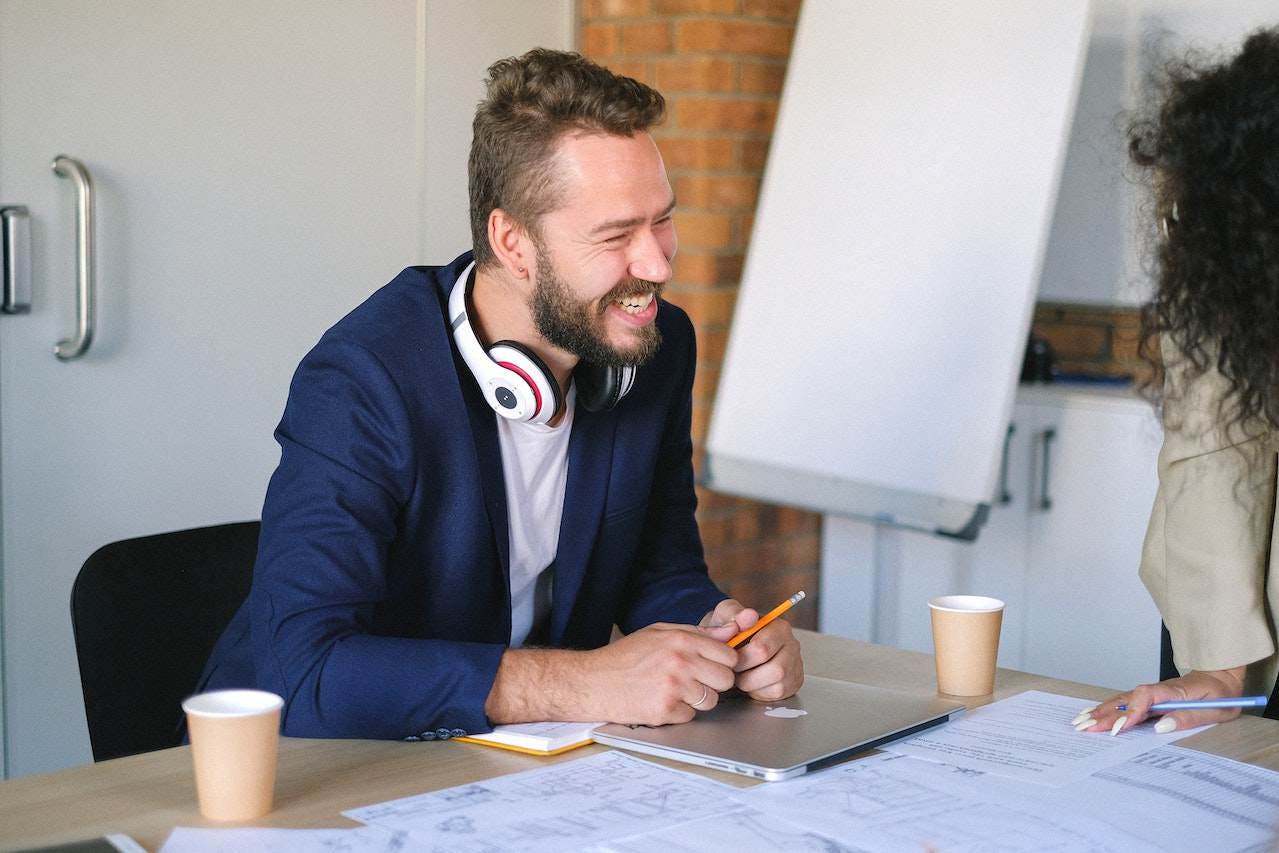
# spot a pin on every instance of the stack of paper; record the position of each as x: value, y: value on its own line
x: 1010, y: 776
x: 537, y: 738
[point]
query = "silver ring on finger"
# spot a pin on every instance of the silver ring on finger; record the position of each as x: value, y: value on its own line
x: 706, y: 691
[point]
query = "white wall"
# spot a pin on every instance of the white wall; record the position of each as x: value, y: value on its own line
x: 460, y: 41
x: 1099, y: 238
x: 259, y: 172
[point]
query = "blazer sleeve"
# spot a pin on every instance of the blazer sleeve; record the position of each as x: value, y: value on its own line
x: 345, y: 471
x: 671, y: 583
x: 1207, y: 547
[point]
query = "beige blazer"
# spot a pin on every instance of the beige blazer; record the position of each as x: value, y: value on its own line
x: 1207, y: 559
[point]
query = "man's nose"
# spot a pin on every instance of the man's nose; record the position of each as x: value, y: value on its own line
x: 651, y: 260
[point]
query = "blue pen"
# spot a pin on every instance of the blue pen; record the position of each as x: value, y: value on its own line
x: 1192, y: 704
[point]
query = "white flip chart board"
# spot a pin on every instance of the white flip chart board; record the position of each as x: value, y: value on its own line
x: 891, y: 275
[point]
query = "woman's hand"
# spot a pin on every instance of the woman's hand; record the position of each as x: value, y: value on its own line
x: 1209, y: 684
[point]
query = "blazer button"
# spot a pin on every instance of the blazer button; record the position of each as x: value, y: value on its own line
x: 443, y: 734
x: 458, y: 733
x: 427, y: 735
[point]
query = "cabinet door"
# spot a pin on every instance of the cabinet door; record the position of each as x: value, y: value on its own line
x: 1088, y: 616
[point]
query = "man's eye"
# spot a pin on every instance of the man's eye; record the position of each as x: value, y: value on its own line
x: 615, y: 239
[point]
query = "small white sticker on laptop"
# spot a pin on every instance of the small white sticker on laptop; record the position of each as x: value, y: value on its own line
x: 784, y: 712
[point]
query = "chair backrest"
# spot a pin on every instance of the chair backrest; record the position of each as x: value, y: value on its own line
x: 146, y: 614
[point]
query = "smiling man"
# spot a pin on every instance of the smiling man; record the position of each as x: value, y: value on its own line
x: 487, y: 466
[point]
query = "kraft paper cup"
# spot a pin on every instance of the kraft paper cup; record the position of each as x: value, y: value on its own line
x: 966, y: 642
x: 234, y: 739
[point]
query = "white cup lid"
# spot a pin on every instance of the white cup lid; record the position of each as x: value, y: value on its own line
x: 232, y: 703
x: 966, y: 603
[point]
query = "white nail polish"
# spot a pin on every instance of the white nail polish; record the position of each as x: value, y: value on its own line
x: 1084, y: 724
x: 1080, y: 717
x: 1119, y: 724
x: 1165, y: 725
x: 1089, y: 709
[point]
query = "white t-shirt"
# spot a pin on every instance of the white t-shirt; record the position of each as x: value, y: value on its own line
x: 535, y: 469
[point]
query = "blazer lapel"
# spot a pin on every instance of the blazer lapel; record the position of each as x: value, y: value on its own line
x: 590, y: 459
x: 488, y: 454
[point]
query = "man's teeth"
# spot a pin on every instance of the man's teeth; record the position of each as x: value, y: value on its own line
x: 635, y: 304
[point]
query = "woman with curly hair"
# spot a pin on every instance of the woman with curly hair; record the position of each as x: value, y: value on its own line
x: 1212, y: 333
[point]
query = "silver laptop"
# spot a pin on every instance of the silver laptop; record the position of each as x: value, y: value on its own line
x: 825, y: 722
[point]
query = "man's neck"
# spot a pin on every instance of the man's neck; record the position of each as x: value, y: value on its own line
x: 500, y: 312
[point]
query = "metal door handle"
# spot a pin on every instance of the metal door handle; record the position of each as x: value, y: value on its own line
x: 1045, y: 499
x: 1005, y: 496
x: 70, y: 348
x: 15, y: 247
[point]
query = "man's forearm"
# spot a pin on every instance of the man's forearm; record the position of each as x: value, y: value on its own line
x: 533, y: 685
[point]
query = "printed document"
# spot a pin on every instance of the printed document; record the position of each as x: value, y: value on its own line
x: 1168, y: 798
x: 1183, y: 799
x: 893, y: 802
x: 363, y: 839
x: 1029, y: 737
x: 565, y: 806
x: 965, y: 791
x: 743, y: 831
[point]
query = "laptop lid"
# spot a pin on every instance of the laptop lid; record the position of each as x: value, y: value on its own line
x: 825, y: 722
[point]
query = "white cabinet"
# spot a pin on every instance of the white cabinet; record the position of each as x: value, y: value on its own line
x: 1061, y: 547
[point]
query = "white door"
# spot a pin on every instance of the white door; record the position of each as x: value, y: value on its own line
x: 259, y: 169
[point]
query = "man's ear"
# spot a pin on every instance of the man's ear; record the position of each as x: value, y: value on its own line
x: 511, y: 244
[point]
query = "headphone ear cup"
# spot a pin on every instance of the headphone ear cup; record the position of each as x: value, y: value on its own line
x: 521, y: 360
x: 600, y: 388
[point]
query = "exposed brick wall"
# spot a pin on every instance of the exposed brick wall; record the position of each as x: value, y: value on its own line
x: 1093, y: 339
x: 720, y: 64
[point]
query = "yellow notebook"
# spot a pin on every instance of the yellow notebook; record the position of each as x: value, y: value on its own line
x: 536, y: 738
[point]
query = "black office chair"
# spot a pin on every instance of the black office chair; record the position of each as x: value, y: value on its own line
x: 146, y: 614
x: 1168, y: 670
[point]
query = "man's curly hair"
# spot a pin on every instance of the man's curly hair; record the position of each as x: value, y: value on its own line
x: 1213, y: 152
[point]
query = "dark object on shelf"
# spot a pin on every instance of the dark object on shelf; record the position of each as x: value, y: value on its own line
x: 1082, y: 378
x: 1038, y: 363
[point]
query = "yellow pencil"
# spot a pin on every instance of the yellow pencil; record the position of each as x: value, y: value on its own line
x: 766, y: 618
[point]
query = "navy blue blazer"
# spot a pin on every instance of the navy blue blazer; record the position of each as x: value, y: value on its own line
x: 380, y: 604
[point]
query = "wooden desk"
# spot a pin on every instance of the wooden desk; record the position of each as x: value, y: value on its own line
x: 145, y: 796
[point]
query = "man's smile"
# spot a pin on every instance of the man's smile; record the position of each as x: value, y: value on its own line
x: 637, y: 310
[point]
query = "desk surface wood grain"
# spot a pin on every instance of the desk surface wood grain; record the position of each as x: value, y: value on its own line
x: 145, y: 796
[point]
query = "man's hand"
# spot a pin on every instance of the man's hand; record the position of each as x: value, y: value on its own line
x: 1213, y: 684
x: 769, y: 666
x: 727, y: 620
x: 660, y: 674
x: 657, y: 675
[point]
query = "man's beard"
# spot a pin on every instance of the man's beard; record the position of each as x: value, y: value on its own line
x: 578, y: 326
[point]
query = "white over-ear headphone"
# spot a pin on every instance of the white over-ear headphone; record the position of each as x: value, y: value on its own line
x: 516, y: 383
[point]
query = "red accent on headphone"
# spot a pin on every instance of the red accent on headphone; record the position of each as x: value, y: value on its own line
x: 537, y: 396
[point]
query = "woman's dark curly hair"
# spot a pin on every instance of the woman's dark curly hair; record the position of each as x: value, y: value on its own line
x: 1213, y: 152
